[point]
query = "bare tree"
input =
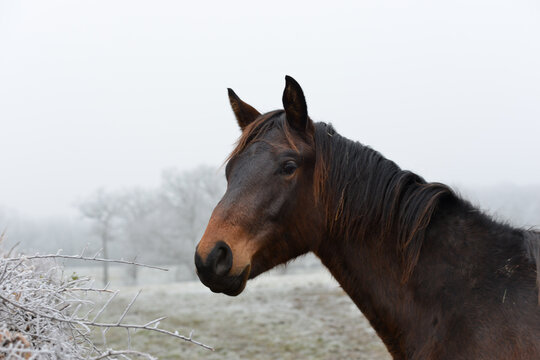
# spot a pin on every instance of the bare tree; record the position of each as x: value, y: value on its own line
x: 138, y: 222
x: 188, y: 200
x: 102, y: 208
x: 163, y: 224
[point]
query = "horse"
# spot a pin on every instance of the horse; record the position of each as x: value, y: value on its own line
x: 435, y: 277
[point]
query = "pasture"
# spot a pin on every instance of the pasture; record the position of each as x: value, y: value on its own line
x: 296, y: 316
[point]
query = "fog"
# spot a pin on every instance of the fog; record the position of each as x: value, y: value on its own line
x: 109, y: 94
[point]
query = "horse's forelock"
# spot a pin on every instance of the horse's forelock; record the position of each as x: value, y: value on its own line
x: 257, y: 129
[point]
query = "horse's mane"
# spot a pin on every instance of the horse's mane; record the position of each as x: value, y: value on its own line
x: 364, y: 193
x: 532, y: 245
x: 369, y: 196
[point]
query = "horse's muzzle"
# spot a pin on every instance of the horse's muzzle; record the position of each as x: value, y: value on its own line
x: 214, y: 272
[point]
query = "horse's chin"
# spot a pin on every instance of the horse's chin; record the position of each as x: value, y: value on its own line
x: 233, y: 292
x: 232, y: 285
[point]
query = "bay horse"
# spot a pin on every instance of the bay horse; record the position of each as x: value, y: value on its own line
x: 435, y: 277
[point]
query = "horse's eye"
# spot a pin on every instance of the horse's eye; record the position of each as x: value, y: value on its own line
x: 289, y: 167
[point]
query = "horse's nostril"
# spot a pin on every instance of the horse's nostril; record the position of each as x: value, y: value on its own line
x: 223, y: 259
x: 218, y: 262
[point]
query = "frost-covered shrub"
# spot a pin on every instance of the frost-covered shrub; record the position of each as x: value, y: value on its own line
x: 45, y: 314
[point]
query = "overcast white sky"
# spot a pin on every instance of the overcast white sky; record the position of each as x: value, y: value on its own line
x: 109, y: 93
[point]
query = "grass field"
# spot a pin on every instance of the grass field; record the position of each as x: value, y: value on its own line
x: 301, y: 316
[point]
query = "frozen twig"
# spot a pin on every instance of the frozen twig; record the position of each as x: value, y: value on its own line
x: 112, y: 325
x: 85, y: 258
x: 104, y: 290
x: 45, y: 316
x: 111, y: 353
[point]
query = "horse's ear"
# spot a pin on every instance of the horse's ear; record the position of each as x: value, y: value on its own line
x: 295, y: 106
x: 245, y: 113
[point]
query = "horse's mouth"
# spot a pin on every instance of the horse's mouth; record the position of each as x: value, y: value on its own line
x: 231, y: 285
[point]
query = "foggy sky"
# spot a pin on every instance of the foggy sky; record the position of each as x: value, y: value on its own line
x: 110, y: 93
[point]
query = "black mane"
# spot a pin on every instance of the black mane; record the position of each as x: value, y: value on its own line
x: 375, y: 197
x: 532, y: 245
x: 370, y: 193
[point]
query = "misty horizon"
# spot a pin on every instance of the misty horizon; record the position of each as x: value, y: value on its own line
x: 451, y: 95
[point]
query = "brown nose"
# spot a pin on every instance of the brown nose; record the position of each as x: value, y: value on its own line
x: 217, y: 264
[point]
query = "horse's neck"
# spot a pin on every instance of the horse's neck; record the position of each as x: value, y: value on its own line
x: 360, y: 248
x: 403, y: 314
x: 372, y: 282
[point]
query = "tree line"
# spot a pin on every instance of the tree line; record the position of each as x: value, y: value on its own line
x: 160, y: 225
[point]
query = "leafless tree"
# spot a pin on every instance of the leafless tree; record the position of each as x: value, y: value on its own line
x: 102, y: 208
x: 188, y: 200
x: 138, y: 222
x: 163, y: 224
